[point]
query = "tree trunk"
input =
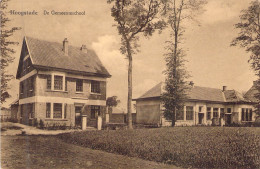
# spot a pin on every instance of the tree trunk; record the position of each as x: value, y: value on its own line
x: 129, y: 101
x: 174, y: 117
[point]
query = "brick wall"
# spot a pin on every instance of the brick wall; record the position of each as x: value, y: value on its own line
x: 71, y: 89
x: 28, y: 89
x: 40, y: 109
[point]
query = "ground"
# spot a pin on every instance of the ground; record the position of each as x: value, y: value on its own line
x: 51, y: 152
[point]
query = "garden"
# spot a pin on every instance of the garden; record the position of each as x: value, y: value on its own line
x: 196, y: 147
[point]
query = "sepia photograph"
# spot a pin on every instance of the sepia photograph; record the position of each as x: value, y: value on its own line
x: 150, y: 84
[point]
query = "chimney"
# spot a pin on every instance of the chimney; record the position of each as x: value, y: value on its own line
x: 192, y: 84
x: 224, y: 88
x: 65, y: 46
x: 84, y: 49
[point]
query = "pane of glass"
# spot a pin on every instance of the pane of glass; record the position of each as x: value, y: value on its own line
x: 48, y: 110
x: 57, y: 110
x: 79, y: 85
x: 58, y: 82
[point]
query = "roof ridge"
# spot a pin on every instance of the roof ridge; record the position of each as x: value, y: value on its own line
x: 34, y: 38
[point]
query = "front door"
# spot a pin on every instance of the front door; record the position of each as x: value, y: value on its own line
x: 201, y: 116
x: 228, y: 119
x: 78, y: 116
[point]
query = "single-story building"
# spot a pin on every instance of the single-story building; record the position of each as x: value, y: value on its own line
x: 204, y: 106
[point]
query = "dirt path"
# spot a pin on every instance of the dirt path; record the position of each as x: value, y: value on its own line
x: 50, y: 152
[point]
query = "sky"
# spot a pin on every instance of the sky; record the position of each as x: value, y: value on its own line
x: 211, y: 60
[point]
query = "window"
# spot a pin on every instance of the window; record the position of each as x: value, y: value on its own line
x: 189, y: 113
x: 57, y: 110
x: 65, y: 111
x: 215, y: 112
x: 95, y: 110
x: 246, y: 114
x: 79, y: 85
x: 58, y: 82
x: 222, y: 112
x: 49, y: 82
x: 200, y: 109
x: 66, y: 84
x: 208, y: 113
x: 48, y: 110
x: 180, y: 115
x: 228, y: 110
x: 95, y: 87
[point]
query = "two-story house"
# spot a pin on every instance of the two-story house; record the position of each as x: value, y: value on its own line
x: 204, y: 106
x: 59, y: 83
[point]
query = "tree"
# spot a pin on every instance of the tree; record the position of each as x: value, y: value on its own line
x: 6, y: 50
x: 112, y: 101
x: 134, y: 17
x: 249, y: 38
x: 176, y: 85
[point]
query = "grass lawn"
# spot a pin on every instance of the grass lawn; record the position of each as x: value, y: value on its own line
x: 18, y: 152
x: 200, y: 147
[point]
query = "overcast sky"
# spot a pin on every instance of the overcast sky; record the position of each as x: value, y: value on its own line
x: 212, y: 62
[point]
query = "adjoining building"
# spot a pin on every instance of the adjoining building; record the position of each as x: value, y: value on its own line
x: 204, y: 107
x: 60, y: 83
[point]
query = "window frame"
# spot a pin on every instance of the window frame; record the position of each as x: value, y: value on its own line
x: 95, y: 87
x: 48, y: 110
x: 79, y: 85
x: 48, y: 82
x: 58, y: 82
x: 189, y: 111
x: 228, y: 110
x: 180, y: 114
x: 54, y: 115
x: 246, y: 114
x: 215, y: 112
x: 209, y: 113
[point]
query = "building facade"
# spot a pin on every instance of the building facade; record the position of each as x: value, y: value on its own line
x: 205, y: 106
x: 60, y: 83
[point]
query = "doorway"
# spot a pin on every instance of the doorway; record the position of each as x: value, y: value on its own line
x: 228, y: 119
x: 201, y: 116
x: 78, y: 110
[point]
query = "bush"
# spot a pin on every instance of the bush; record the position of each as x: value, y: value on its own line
x: 41, y: 124
x: 35, y: 122
x: 56, y: 126
x: 257, y: 122
x: 189, y: 147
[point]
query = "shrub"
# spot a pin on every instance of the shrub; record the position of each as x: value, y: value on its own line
x: 35, y: 122
x: 41, y: 124
x: 189, y: 147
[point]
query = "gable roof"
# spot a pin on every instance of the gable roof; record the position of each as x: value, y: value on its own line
x: 45, y: 54
x: 153, y: 92
x: 199, y: 93
x: 234, y: 96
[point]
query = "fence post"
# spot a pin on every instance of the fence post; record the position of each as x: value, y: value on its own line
x: 99, y: 123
